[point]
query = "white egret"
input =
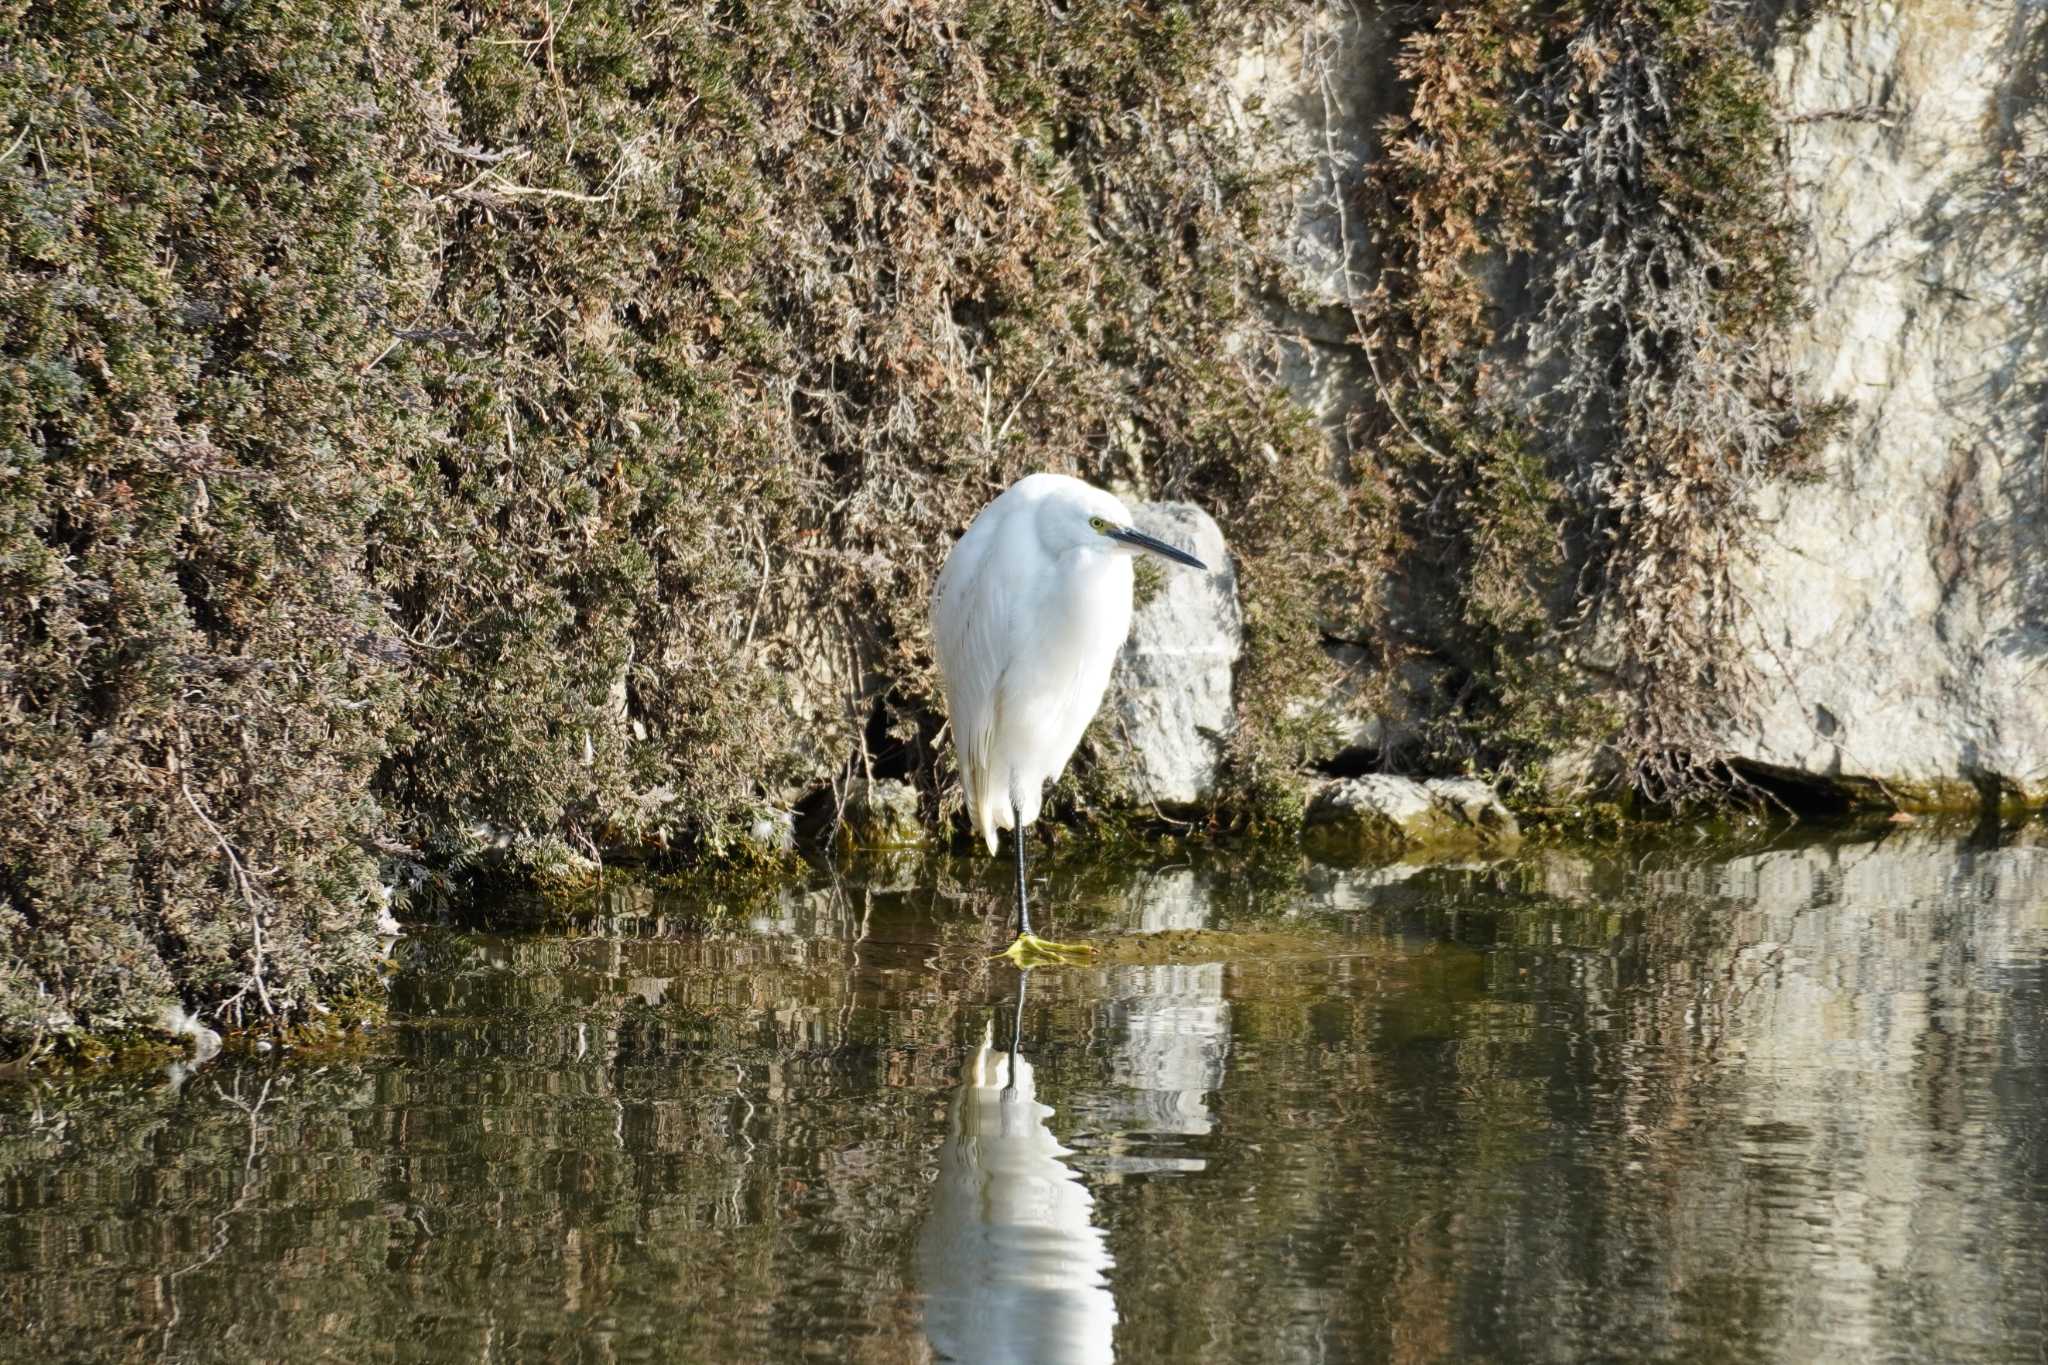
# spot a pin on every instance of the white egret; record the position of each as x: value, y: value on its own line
x: 1028, y: 614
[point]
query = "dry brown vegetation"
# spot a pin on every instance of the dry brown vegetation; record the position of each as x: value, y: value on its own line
x: 534, y: 428
x: 1581, y: 268
x: 436, y: 428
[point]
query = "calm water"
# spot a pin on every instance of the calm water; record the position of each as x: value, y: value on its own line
x: 1781, y: 1104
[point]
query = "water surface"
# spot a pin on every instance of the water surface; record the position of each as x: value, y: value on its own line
x: 1779, y: 1103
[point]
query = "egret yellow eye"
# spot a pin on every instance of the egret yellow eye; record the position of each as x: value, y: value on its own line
x: 1097, y: 523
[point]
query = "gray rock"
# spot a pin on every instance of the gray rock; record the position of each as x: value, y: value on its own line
x: 882, y: 815
x: 1381, y: 814
x: 1899, y: 603
x: 1172, y: 700
x: 1577, y: 773
x: 1316, y: 94
x: 1896, y: 605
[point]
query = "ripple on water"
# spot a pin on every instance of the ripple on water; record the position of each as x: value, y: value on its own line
x: 1781, y: 1103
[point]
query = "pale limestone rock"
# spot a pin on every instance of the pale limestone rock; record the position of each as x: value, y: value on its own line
x: 1472, y: 805
x: 1577, y: 773
x: 1315, y: 94
x: 1899, y: 604
x: 1385, y: 814
x: 1172, y: 700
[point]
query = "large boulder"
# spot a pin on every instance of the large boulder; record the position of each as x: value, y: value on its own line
x: 1173, y: 706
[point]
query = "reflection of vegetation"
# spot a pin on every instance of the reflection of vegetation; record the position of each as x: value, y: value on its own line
x: 1506, y: 1112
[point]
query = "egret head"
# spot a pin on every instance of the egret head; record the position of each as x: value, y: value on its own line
x: 1077, y: 514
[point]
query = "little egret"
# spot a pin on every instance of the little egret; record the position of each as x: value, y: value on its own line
x: 1028, y: 614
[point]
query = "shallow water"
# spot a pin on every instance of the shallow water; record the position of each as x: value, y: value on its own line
x: 1775, y: 1104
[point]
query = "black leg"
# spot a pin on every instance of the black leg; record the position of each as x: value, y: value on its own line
x: 1017, y: 1028
x: 1023, y: 907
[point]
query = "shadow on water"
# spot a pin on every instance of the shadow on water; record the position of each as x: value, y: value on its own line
x: 1773, y: 1103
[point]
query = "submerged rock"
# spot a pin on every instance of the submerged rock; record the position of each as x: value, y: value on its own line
x: 1384, y: 814
x: 1173, y: 706
x: 882, y: 814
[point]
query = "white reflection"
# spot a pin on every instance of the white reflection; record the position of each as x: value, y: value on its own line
x: 1012, y: 1267
x: 205, y: 1044
x: 1172, y: 1026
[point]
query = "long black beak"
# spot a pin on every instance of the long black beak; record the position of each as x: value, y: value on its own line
x: 1158, y: 547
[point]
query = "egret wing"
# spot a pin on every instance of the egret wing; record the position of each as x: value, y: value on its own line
x: 970, y: 627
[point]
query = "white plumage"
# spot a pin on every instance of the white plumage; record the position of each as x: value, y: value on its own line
x: 1028, y: 614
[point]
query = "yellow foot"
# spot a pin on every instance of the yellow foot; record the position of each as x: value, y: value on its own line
x: 1029, y: 950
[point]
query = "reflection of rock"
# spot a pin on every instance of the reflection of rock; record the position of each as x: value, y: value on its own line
x: 1173, y: 1034
x: 1171, y: 1025
x: 651, y: 991
x: 1011, y: 1265
x: 1173, y: 699
x: 880, y: 871
x: 1829, y: 1017
x: 824, y: 912
x: 1383, y: 814
x: 1863, y: 989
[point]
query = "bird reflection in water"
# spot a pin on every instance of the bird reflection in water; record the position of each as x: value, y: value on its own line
x: 1012, y: 1267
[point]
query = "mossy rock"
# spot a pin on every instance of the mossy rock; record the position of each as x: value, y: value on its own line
x: 1402, y: 817
x: 881, y: 815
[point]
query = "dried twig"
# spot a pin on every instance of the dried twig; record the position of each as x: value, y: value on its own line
x: 252, y: 897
